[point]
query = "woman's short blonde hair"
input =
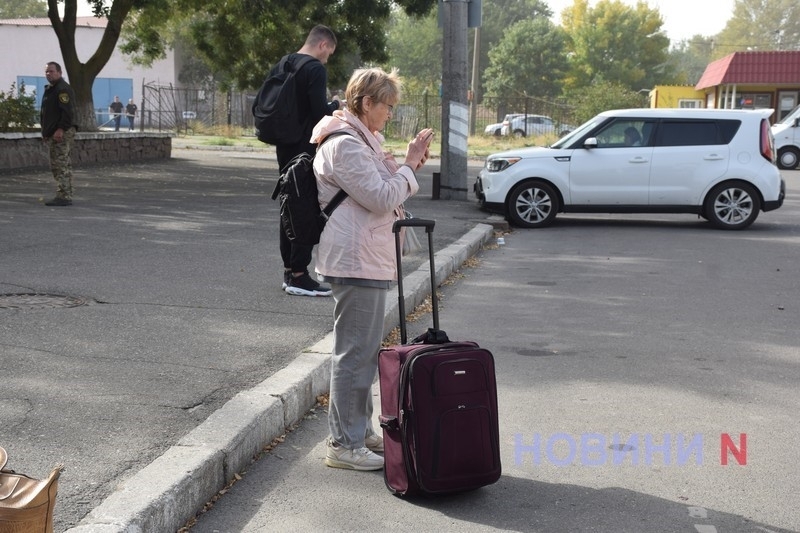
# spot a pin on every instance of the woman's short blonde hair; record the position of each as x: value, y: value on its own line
x: 376, y: 83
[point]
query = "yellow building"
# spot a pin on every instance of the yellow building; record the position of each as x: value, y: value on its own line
x: 676, y: 96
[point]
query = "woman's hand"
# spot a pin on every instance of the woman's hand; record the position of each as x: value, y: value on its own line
x: 419, y: 149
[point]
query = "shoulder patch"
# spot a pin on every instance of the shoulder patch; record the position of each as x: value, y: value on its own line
x: 63, y: 98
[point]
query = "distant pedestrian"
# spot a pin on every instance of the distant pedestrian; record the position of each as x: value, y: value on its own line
x: 312, y: 105
x: 130, y: 112
x: 57, y: 117
x: 115, y: 110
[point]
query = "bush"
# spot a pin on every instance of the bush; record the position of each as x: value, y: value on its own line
x: 17, y: 113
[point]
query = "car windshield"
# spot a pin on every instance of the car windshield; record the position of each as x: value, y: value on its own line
x: 569, y: 138
x: 791, y: 117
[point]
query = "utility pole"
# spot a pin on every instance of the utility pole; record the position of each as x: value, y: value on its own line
x: 455, y: 110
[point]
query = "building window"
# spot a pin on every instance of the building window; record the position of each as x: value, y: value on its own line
x: 686, y: 103
x: 754, y: 101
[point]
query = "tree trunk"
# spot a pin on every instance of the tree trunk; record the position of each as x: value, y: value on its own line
x: 82, y: 75
x: 84, y: 104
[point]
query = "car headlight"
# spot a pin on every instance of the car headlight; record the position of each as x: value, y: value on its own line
x: 500, y: 164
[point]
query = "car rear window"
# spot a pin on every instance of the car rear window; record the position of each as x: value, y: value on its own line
x: 696, y: 132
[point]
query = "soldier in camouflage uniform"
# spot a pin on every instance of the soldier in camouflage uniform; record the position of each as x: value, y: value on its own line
x: 58, y: 130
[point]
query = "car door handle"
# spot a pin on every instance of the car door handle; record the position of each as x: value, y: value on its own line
x: 638, y: 160
x: 713, y: 157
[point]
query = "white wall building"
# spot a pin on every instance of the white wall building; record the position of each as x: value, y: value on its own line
x: 28, y: 44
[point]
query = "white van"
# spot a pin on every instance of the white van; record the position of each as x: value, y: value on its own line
x: 787, y: 140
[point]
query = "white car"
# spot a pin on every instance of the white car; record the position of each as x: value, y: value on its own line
x: 718, y: 164
x: 532, y: 125
x: 496, y: 129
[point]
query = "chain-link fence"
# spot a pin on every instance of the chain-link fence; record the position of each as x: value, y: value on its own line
x: 168, y: 108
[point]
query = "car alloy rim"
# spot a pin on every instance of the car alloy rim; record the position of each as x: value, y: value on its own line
x: 733, y: 206
x: 533, y: 205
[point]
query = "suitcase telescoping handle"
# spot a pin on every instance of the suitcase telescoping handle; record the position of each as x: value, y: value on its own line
x: 428, y: 225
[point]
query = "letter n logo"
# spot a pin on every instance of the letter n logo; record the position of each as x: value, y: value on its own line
x: 726, y: 445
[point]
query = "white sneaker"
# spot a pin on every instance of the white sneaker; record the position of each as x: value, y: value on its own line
x: 359, y: 459
x: 374, y: 442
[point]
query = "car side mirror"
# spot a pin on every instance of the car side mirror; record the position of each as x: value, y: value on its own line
x: 591, y: 142
x: 796, y: 122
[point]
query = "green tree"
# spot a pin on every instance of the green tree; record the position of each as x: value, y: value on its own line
x: 415, y: 48
x: 530, y: 60
x: 22, y: 9
x: 760, y: 25
x: 618, y: 43
x: 82, y: 75
x: 237, y: 39
x: 602, y: 96
x: 498, y: 17
x: 240, y: 39
x: 690, y: 57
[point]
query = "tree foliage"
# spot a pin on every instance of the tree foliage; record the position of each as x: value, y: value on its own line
x: 689, y: 59
x: 415, y: 48
x: 530, y: 60
x: 604, y: 95
x: 498, y: 17
x: 22, y: 9
x: 239, y: 40
x: 760, y: 25
x: 17, y: 109
x: 617, y: 43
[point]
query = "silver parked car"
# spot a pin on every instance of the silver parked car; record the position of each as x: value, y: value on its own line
x: 494, y: 129
x: 532, y: 125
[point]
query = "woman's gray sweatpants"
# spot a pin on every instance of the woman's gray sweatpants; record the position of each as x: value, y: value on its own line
x: 358, y: 332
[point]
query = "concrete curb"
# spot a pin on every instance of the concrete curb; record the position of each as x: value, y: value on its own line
x: 168, y: 492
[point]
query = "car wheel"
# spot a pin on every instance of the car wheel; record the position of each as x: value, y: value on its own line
x: 732, y: 205
x: 519, y: 134
x: 532, y: 205
x: 788, y: 158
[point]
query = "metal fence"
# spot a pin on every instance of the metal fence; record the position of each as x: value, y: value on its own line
x: 168, y: 108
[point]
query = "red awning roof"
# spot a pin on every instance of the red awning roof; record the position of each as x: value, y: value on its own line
x: 752, y: 68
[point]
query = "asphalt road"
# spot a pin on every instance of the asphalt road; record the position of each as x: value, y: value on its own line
x: 174, y: 273
x: 635, y: 355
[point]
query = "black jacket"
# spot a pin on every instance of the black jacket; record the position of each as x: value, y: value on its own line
x: 58, y: 108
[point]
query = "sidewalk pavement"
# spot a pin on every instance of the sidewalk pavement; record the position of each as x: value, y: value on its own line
x: 144, y: 338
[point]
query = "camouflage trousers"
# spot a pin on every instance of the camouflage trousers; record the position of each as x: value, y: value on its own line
x: 61, y: 165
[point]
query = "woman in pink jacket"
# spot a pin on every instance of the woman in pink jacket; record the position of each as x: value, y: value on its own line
x: 356, y: 253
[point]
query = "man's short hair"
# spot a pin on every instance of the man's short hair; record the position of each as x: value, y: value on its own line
x: 320, y: 33
x: 54, y: 64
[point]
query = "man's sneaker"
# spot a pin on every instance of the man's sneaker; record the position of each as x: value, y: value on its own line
x: 304, y: 285
x: 287, y: 275
x: 360, y: 459
x: 58, y: 201
x: 374, y: 442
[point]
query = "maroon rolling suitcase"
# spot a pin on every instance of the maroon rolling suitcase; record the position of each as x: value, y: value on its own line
x: 438, y: 405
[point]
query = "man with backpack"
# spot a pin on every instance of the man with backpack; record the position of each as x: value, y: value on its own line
x: 311, y: 105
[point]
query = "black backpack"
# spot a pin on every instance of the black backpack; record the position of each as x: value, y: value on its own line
x: 275, y: 106
x: 301, y: 218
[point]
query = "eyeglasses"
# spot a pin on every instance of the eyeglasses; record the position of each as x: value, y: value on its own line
x: 391, y: 107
